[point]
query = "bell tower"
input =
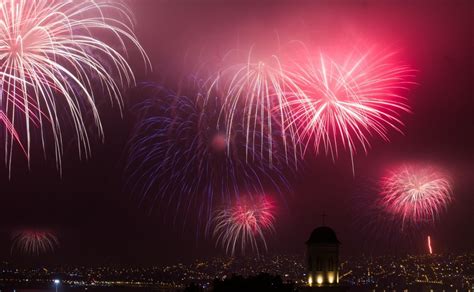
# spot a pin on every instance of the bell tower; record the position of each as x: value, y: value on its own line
x: 322, y: 258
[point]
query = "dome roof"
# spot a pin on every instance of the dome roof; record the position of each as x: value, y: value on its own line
x: 323, y: 234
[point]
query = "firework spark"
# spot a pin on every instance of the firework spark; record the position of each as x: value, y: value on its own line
x: 51, y: 59
x: 415, y: 193
x: 246, y: 221
x: 344, y: 103
x: 34, y: 242
x: 180, y: 158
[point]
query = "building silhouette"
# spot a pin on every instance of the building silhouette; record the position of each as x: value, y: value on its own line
x: 322, y: 261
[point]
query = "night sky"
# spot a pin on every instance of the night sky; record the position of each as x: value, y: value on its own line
x: 99, y: 220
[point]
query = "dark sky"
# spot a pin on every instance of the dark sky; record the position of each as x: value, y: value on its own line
x: 98, y: 220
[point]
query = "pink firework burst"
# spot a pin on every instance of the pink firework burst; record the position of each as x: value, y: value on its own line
x: 415, y: 193
x: 34, y: 242
x: 344, y: 103
x: 245, y: 221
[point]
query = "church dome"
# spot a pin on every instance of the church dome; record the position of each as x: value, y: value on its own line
x: 323, y: 234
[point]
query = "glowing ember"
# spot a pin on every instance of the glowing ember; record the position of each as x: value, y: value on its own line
x: 219, y: 143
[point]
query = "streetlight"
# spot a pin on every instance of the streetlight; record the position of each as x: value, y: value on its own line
x: 56, y: 283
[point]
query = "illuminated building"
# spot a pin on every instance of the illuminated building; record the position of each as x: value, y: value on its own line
x: 322, y: 260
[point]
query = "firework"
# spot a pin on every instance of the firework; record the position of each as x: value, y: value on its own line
x: 52, y: 60
x: 252, y: 94
x: 34, y: 242
x: 245, y: 222
x: 415, y: 193
x: 344, y: 103
x: 429, y: 245
x: 179, y: 158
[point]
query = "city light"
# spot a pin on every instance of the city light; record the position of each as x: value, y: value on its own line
x: 202, y: 271
x: 319, y: 279
x: 331, y: 278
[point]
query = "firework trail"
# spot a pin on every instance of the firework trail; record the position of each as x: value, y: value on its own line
x: 429, y: 245
x: 179, y: 158
x: 415, y: 193
x: 244, y: 222
x: 51, y: 60
x: 344, y: 103
x: 9, y: 129
x: 252, y: 94
x: 34, y: 242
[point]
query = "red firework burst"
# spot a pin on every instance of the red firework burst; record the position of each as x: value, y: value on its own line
x: 415, y: 193
x: 34, y: 242
x: 246, y: 221
x: 344, y: 103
